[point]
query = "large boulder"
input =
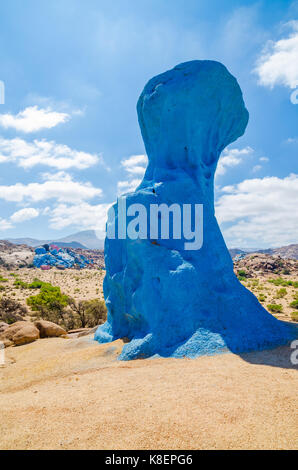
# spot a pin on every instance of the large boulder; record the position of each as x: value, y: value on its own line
x: 20, y: 332
x: 48, y: 329
x: 168, y: 295
x: 3, y: 326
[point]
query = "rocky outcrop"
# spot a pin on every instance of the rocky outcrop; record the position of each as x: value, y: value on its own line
x: 20, y: 332
x: 12, y: 256
x: 167, y: 296
x: 3, y: 326
x: 256, y: 264
x: 48, y: 329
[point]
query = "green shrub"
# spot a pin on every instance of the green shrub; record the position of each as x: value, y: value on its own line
x: 274, y: 308
x: 294, y: 316
x: 50, y: 304
x: 294, y: 304
x: 49, y: 297
x: 241, y: 273
x: 283, y: 282
x: 281, y: 293
x: 19, y: 284
x: 36, y: 284
x: 2, y: 279
x: 262, y: 297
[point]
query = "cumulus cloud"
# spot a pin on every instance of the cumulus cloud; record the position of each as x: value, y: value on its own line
x: 43, y: 152
x: 127, y: 186
x: 33, y: 119
x: 24, y: 214
x: 83, y: 215
x: 135, y: 167
x: 231, y: 158
x: 5, y: 224
x: 260, y: 211
x: 69, y: 191
x: 277, y: 64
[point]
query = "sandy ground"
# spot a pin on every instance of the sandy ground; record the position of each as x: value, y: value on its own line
x: 261, y: 286
x: 82, y: 285
x: 74, y: 394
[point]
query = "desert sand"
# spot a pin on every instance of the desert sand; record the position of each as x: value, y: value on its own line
x: 72, y: 393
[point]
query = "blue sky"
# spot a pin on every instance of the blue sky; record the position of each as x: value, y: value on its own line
x: 69, y: 137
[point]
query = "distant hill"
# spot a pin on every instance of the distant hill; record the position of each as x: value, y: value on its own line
x: 70, y: 245
x: 289, y: 251
x: 85, y: 239
x: 236, y: 251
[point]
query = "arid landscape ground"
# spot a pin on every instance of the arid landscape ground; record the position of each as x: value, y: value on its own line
x: 72, y: 393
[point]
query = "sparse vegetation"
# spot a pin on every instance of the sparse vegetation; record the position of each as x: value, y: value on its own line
x: 274, y: 308
x: 262, y: 297
x: 283, y: 282
x: 88, y: 313
x: 294, y: 304
x: 294, y: 316
x: 242, y: 275
x: 281, y: 293
x: 51, y: 304
x: 11, y: 310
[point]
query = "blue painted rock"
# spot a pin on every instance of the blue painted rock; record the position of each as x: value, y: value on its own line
x: 168, y: 300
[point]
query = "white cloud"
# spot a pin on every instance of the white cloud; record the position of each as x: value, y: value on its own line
x: 292, y: 140
x: 256, y: 168
x: 84, y: 216
x: 135, y: 165
x: 24, y: 214
x: 59, y: 176
x: 264, y: 159
x: 69, y: 191
x: 33, y: 119
x: 231, y: 158
x: 262, y: 211
x: 127, y: 186
x: 4, y: 224
x: 277, y: 64
x: 43, y: 152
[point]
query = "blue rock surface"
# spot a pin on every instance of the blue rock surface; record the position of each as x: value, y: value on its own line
x: 166, y: 300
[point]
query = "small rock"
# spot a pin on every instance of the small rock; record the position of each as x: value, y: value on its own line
x: 49, y: 329
x: 20, y: 332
